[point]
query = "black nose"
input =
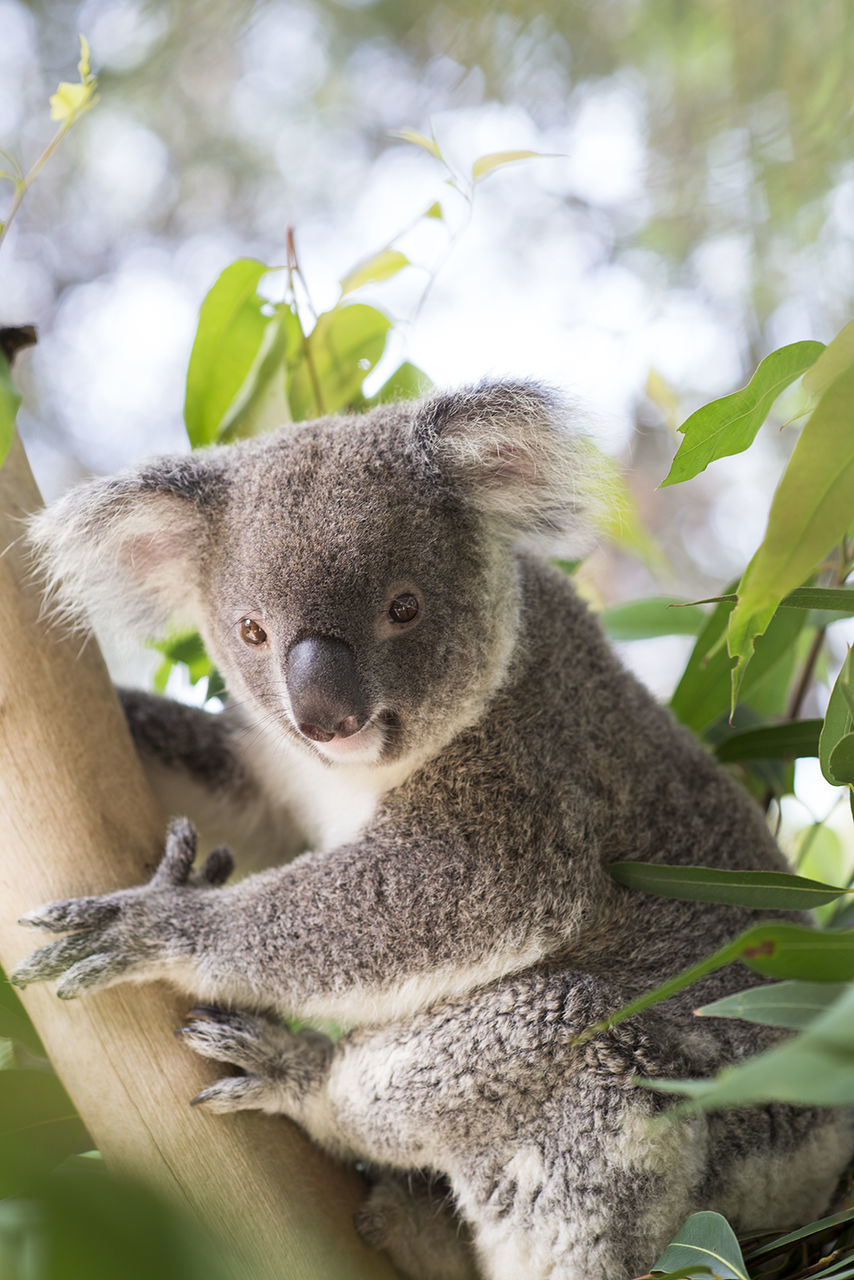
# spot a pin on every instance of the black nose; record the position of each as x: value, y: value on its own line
x: 324, y: 688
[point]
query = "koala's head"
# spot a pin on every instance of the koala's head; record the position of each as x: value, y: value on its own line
x: 354, y: 578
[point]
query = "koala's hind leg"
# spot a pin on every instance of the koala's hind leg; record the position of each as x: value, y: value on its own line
x: 411, y: 1216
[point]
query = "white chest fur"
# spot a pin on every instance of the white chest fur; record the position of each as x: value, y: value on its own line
x: 333, y: 803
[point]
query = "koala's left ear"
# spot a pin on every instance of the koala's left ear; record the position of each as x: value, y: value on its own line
x: 125, y: 550
x: 511, y: 447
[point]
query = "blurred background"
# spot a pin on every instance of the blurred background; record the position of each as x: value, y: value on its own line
x: 693, y: 210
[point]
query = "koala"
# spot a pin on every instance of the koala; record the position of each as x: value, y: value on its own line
x: 432, y: 749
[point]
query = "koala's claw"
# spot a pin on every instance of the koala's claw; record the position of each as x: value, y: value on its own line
x: 176, y: 866
x: 278, y: 1064
x: 72, y: 913
x: 233, y: 1093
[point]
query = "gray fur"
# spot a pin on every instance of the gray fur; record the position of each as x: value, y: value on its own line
x: 453, y: 908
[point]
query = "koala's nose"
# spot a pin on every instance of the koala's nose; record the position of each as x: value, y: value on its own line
x: 324, y: 689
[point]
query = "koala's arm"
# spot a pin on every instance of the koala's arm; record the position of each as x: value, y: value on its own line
x: 196, y: 765
x: 371, y: 931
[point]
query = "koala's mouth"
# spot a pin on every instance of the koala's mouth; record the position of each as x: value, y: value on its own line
x: 375, y: 741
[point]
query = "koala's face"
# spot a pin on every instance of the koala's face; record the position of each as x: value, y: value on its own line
x: 355, y: 602
x: 354, y: 578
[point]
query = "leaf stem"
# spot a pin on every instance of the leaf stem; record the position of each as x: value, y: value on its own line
x: 23, y: 184
x: 295, y: 272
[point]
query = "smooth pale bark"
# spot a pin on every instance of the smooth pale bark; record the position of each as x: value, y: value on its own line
x: 77, y: 817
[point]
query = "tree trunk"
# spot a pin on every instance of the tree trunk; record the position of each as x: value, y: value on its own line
x: 78, y: 818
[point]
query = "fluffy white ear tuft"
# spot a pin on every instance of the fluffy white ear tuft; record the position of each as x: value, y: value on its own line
x: 124, y: 551
x: 511, y: 445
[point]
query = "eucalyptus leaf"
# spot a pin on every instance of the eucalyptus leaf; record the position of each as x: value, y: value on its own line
x: 773, y: 950
x: 838, y: 720
x: 795, y: 951
x: 380, y: 266
x: 780, y: 1004
x: 812, y: 508
x: 484, y: 165
x: 793, y: 739
x: 695, y: 1272
x: 815, y: 1068
x: 837, y: 356
x: 782, y: 1243
x: 729, y: 425
x: 841, y: 764
x: 654, y: 616
x: 38, y: 1127
x: 703, y: 692
x: 14, y: 1020
x: 229, y: 344
x: 418, y: 140
x: 706, y: 1243
x: 758, y: 890
x: 9, y: 401
x: 408, y: 382
x: 327, y: 373
x: 822, y: 599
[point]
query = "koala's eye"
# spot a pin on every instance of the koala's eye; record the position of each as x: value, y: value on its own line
x: 403, y: 608
x: 251, y: 632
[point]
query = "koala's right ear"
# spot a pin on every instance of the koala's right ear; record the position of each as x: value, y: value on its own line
x: 126, y: 550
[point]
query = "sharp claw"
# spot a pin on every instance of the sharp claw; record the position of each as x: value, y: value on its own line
x: 210, y: 1011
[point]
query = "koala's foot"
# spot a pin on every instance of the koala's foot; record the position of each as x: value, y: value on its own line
x: 411, y: 1217
x: 280, y: 1067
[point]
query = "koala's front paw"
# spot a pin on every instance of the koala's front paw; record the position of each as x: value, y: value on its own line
x: 120, y: 933
x: 279, y: 1066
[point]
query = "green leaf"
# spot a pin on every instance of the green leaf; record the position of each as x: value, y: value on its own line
x: 71, y: 100
x: 705, y: 1241
x: 381, y: 266
x: 694, y: 1272
x: 783, y: 1243
x: 9, y: 401
x: 619, y: 518
x: 796, y: 951
x: 408, y: 382
x: 816, y: 1068
x: 758, y: 890
x: 342, y: 348
x: 703, y: 692
x: 14, y: 1020
x: 484, y: 165
x: 656, y: 616
x: 773, y: 950
x: 38, y: 1127
x: 232, y: 340
x: 812, y: 508
x: 821, y: 599
x: 418, y: 140
x: 435, y: 211
x: 834, y: 360
x: 729, y: 425
x: 187, y: 649
x: 771, y: 742
x: 780, y: 1004
x: 841, y: 764
x: 261, y: 404
x: 838, y: 720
